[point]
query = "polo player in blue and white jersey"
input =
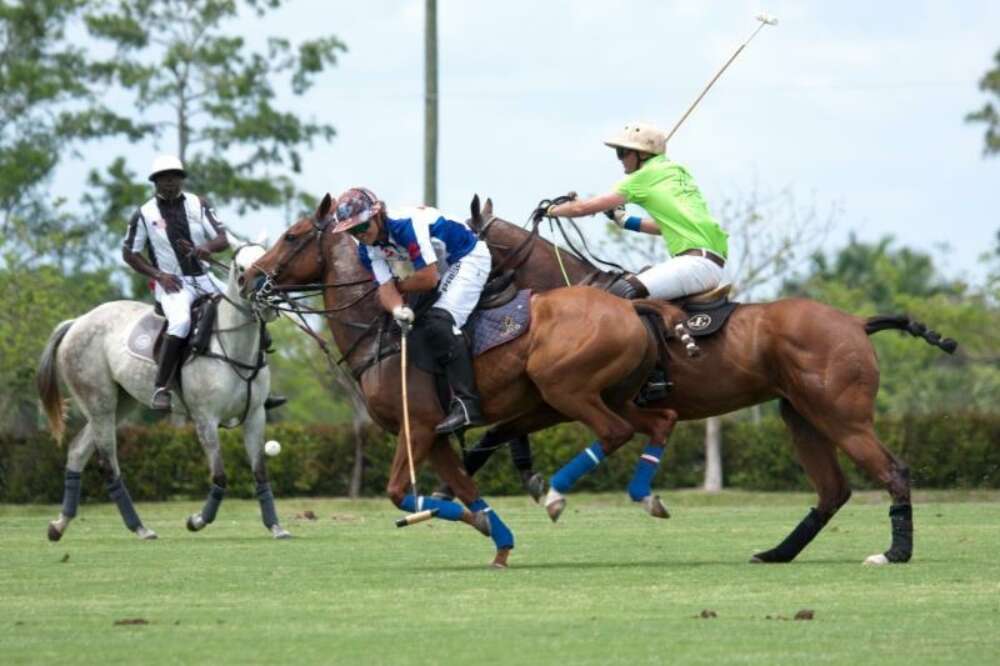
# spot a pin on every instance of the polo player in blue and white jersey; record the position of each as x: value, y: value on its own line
x: 419, y: 250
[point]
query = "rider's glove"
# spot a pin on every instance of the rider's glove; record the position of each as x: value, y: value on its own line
x: 617, y: 215
x: 403, y: 315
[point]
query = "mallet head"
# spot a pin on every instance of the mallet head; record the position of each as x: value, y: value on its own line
x: 764, y: 17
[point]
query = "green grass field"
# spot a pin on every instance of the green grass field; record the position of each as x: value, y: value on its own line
x: 608, y: 584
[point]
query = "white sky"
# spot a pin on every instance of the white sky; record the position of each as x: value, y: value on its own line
x: 855, y: 103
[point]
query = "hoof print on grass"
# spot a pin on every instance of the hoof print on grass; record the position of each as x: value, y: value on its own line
x: 65, y: 558
x: 707, y: 614
x: 305, y: 515
x: 130, y: 621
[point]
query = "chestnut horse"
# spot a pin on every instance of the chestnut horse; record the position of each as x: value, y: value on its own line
x: 816, y: 360
x: 584, y: 358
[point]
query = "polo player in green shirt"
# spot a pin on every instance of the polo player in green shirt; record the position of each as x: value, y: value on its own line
x: 697, y: 244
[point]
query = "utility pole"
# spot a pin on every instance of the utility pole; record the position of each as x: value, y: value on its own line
x: 430, y: 103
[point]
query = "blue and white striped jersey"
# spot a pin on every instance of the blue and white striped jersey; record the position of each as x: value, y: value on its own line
x: 417, y: 237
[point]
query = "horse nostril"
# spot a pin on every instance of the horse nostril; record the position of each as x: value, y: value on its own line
x: 241, y: 280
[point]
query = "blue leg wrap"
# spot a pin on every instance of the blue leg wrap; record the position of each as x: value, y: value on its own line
x: 641, y: 484
x: 211, y: 507
x: 266, y: 499
x: 71, y: 494
x: 502, y: 537
x: 584, y: 462
x: 119, y: 493
x: 446, y: 509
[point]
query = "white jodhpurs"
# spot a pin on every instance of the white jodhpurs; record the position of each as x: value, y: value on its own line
x: 681, y: 276
x: 463, y: 282
x: 177, y: 306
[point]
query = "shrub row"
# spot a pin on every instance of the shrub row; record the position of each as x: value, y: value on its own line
x: 161, y: 462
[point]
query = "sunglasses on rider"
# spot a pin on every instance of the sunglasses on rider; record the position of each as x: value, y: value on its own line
x: 620, y: 153
x: 360, y: 229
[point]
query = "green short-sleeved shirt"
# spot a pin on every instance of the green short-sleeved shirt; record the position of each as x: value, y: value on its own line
x: 669, y: 194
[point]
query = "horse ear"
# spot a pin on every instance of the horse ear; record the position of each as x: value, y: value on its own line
x: 488, y: 208
x: 324, y: 207
x: 475, y: 207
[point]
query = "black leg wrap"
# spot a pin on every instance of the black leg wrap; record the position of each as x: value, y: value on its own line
x: 901, y: 516
x: 266, y: 498
x: 215, y: 495
x: 520, y: 454
x: 119, y: 494
x: 71, y: 494
x: 804, y: 532
x: 474, y: 458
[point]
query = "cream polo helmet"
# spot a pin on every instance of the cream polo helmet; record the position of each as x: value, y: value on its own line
x: 640, y: 136
x: 164, y: 163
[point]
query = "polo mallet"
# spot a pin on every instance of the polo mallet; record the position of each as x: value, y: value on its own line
x: 764, y: 19
x: 420, y: 516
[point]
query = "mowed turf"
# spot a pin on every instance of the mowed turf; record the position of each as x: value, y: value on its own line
x: 608, y: 584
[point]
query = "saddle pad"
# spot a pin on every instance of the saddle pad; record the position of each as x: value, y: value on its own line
x: 704, y: 321
x: 142, y: 338
x: 492, y: 328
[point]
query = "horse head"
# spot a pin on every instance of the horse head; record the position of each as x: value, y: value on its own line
x: 296, y: 258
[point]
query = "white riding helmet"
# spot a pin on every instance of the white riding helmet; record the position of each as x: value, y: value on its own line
x: 166, y: 163
x: 640, y: 136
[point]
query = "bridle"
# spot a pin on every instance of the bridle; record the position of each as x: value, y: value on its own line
x: 279, y: 297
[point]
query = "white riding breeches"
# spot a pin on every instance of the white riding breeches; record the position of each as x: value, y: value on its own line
x: 681, y: 276
x: 463, y: 282
x: 177, y: 306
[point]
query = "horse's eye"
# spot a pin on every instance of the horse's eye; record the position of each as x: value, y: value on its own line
x: 289, y: 237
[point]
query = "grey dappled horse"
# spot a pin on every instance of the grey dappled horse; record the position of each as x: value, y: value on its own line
x: 89, y: 355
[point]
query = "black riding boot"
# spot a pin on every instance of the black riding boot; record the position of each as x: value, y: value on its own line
x: 170, y: 354
x: 464, y: 411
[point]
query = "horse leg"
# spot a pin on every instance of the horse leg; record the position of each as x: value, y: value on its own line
x: 479, y: 514
x: 80, y: 450
x: 422, y: 438
x: 818, y: 457
x: 208, y: 436
x: 253, y: 442
x: 107, y: 459
x: 853, y: 432
x: 658, y: 424
x: 612, y: 432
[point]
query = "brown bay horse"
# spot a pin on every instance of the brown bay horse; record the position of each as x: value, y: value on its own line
x: 584, y: 358
x: 816, y: 360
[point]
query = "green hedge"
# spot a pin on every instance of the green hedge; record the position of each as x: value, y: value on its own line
x: 162, y: 462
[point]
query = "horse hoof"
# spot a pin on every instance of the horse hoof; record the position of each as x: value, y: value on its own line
x: 482, y: 523
x: 195, y: 522
x: 500, y: 561
x: 54, y: 532
x: 536, y: 486
x: 876, y: 560
x: 279, y: 532
x: 555, y: 504
x: 145, y: 533
x: 655, y: 507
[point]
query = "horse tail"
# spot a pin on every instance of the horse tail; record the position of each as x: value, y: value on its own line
x: 47, y: 381
x: 911, y: 326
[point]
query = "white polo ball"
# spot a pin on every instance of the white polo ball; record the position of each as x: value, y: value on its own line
x: 272, y: 448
